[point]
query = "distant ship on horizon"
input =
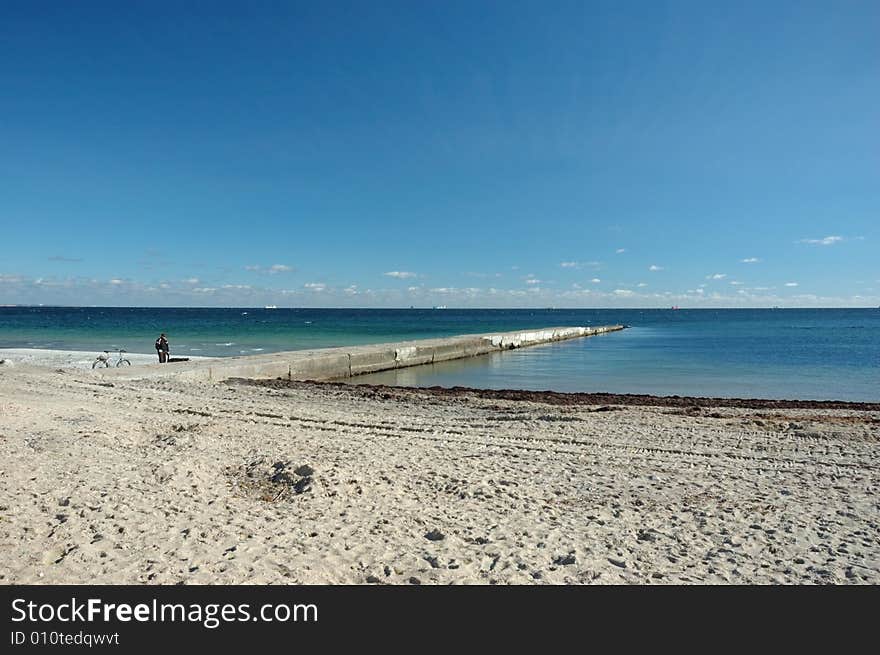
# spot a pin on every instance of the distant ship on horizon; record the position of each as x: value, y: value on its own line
x: 270, y: 307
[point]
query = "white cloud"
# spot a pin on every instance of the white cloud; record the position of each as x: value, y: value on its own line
x: 716, y: 276
x: 533, y: 281
x: 580, y: 264
x: 749, y: 260
x: 595, y: 280
x: 192, y: 280
x: 827, y: 241
x: 620, y: 251
x: 735, y: 283
x: 654, y: 267
x: 791, y: 284
x: 401, y: 275
x: 70, y: 290
x: 271, y: 270
x: 642, y: 284
x: 115, y: 281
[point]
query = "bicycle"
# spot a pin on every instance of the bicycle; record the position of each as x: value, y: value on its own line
x: 105, y: 359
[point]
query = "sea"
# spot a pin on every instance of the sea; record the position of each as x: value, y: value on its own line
x: 809, y: 354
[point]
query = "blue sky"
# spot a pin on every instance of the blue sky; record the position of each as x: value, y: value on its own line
x: 477, y: 154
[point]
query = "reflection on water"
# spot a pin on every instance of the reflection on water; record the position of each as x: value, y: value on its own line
x: 651, y: 361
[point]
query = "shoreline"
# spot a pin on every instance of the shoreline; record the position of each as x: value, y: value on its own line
x: 82, y: 359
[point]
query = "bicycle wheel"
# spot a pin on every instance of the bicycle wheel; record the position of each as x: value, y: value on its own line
x: 123, y: 361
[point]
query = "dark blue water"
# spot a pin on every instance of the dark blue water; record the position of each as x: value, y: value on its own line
x: 784, y: 353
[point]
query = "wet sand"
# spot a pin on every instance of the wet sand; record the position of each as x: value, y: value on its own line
x: 570, y: 399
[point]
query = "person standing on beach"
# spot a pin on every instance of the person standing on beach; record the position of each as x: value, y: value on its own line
x: 162, y: 348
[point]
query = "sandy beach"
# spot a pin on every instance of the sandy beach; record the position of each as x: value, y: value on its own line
x: 71, y: 358
x: 170, y: 481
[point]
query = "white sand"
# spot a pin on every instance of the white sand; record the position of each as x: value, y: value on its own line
x: 167, y: 481
x: 71, y: 358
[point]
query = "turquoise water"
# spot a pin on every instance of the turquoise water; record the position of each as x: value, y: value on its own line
x: 785, y: 353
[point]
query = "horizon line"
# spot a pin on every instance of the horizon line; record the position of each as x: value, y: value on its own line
x: 413, y: 307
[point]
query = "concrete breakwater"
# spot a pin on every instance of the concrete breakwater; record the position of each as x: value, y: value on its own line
x: 347, y: 361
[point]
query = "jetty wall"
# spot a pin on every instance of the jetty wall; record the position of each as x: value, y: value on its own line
x: 347, y: 361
